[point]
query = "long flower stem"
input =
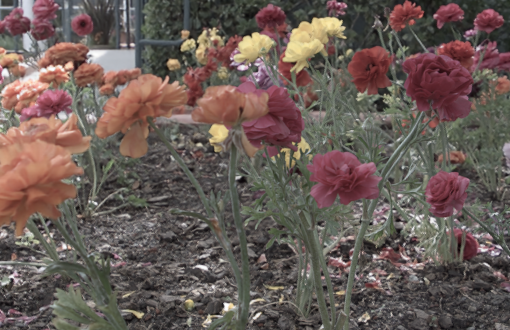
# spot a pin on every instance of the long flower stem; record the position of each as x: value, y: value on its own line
x: 244, y: 289
x: 419, y: 41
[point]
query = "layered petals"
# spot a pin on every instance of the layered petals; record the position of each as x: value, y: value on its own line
x: 446, y: 192
x: 368, y: 68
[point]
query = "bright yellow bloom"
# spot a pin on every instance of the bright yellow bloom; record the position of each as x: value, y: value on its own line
x: 253, y: 47
x: 302, y: 146
x: 188, y: 45
x: 223, y: 73
x: 300, y: 52
x: 219, y: 134
x: 333, y: 27
x: 200, y: 54
x: 203, y: 39
x: 172, y: 64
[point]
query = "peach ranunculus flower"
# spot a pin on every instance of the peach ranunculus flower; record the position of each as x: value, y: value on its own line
x: 227, y: 106
x: 50, y: 130
x: 53, y: 75
x: 31, y: 177
x: 22, y: 94
x: 87, y: 74
x: 10, y: 60
x: 456, y: 157
x: 146, y: 96
x: 64, y: 52
x: 503, y: 85
x: 112, y: 79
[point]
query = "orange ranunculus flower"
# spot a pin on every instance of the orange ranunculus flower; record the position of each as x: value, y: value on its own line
x: 64, y: 52
x: 146, y: 96
x: 88, y: 74
x: 459, y: 51
x: 503, y: 85
x: 10, y: 60
x: 22, y: 94
x: 368, y: 68
x: 456, y: 157
x: 403, y: 15
x: 31, y: 177
x: 53, y: 75
x: 227, y: 106
x: 107, y: 89
x: 2, y: 51
x: 110, y: 78
x: 18, y: 70
x: 50, y: 130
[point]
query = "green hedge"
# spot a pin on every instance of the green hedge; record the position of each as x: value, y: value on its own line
x: 163, y: 20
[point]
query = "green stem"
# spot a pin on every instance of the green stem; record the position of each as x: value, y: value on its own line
x: 324, y: 267
x: 453, y: 240
x: 444, y: 143
x: 244, y: 289
x: 419, y: 41
x: 22, y: 263
x: 183, y: 166
x: 50, y: 248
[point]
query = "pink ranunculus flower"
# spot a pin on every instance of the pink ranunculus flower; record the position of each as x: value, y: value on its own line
x: 82, y: 25
x: 42, y: 29
x: 50, y: 103
x: 281, y: 126
x: 470, y: 34
x: 471, y: 245
x: 439, y: 82
x: 336, y: 8
x: 445, y: 192
x: 2, y: 27
x: 488, y: 21
x: 490, y: 56
x: 341, y: 174
x: 449, y: 13
x: 16, y: 23
x: 45, y: 10
x: 504, y: 62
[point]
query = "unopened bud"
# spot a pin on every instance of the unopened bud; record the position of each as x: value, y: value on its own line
x: 377, y: 23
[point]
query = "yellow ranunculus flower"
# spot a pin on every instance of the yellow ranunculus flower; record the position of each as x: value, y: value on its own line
x: 300, y: 52
x: 200, y: 54
x: 223, y: 73
x: 203, y: 39
x: 219, y: 134
x: 253, y: 47
x: 172, y: 64
x: 302, y: 146
x: 188, y: 45
x: 333, y: 27
x: 184, y: 34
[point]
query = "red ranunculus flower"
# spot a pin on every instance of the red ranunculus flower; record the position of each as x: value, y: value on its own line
x: 342, y: 174
x: 504, y: 62
x: 281, y: 126
x: 82, y: 25
x: 368, y: 68
x: 459, y: 51
x: 270, y: 16
x: 490, y: 56
x: 471, y: 245
x: 302, y: 78
x: 445, y: 192
x: 449, y: 13
x: 42, y: 29
x: 16, y: 23
x: 45, y: 10
x: 403, y: 15
x: 488, y: 21
x: 440, y: 82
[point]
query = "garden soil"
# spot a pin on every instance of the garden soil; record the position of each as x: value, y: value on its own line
x: 159, y: 260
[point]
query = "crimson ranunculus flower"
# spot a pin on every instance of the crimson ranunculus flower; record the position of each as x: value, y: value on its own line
x: 281, y: 126
x: 368, y: 68
x: 42, y: 29
x: 459, y: 51
x: 403, y: 15
x: 342, y: 174
x: 439, y: 82
x: 504, y: 62
x: 45, y: 10
x: 471, y: 245
x: 488, y: 21
x: 445, y: 192
x: 302, y: 77
x: 82, y: 25
x: 16, y: 23
x: 490, y: 56
x: 270, y: 16
x: 449, y: 13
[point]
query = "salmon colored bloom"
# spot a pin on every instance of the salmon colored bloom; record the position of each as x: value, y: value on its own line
x: 64, y: 52
x: 403, y: 15
x: 31, y: 177
x: 230, y: 107
x: 50, y: 130
x: 107, y: 89
x: 22, y: 94
x: 18, y: 70
x: 459, y: 51
x: 503, y: 85
x: 456, y: 157
x: 88, y: 74
x: 53, y: 75
x: 368, y: 68
x: 488, y: 21
x: 146, y: 96
x: 449, y: 13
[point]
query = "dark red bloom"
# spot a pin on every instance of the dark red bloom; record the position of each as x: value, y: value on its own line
x: 2, y: 27
x: 369, y: 67
x: 459, y: 51
x: 270, y: 31
x: 471, y: 245
x: 82, y: 25
x: 42, y: 29
x: 16, y: 23
x: 270, y: 16
x: 488, y: 21
x: 504, y: 62
x: 439, y: 82
x: 445, y: 192
x: 45, y: 10
x: 403, y: 15
x: 342, y: 174
x: 222, y: 54
x: 449, y: 13
x: 302, y: 78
